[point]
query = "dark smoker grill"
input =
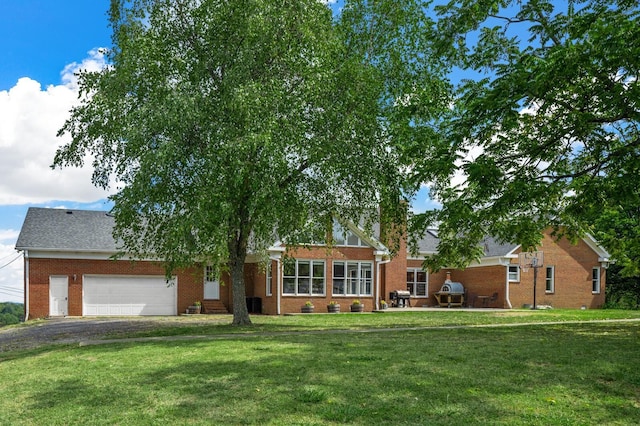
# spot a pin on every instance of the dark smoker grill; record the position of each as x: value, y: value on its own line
x: 451, y: 294
x: 400, y: 298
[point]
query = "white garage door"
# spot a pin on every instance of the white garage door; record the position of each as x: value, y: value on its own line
x: 116, y: 295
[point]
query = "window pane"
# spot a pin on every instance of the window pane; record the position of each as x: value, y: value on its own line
x: 513, y: 273
x: 338, y: 286
x: 303, y: 286
x: 318, y: 286
x: 410, y: 276
x: 269, y: 280
x: 421, y: 289
x: 365, y: 270
x: 421, y: 276
x: 338, y: 269
x: 289, y: 285
x: 318, y: 269
x: 208, y: 274
x: 352, y: 239
x: 338, y: 234
x: 304, y: 269
x: 352, y: 278
x: 352, y: 270
x: 367, y: 286
x: 290, y: 268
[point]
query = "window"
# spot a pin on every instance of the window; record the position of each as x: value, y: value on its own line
x: 514, y: 273
x: 304, y: 277
x: 417, y: 282
x: 344, y: 237
x: 549, y: 280
x: 352, y: 278
x: 269, y: 279
x: 209, y: 274
x: 595, y: 280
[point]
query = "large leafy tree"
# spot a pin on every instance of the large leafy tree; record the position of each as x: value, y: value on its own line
x: 544, y: 130
x: 229, y: 125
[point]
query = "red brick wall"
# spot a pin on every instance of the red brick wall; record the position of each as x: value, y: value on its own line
x: 190, y: 281
x: 573, y: 268
x: 483, y: 281
x: 395, y: 272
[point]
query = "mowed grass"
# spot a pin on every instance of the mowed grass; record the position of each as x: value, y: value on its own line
x: 565, y: 374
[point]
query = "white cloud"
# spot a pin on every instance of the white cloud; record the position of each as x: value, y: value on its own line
x: 29, y: 120
x: 95, y: 62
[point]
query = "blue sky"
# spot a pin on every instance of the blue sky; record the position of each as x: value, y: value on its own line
x: 42, y: 42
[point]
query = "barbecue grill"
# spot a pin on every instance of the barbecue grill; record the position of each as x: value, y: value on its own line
x: 400, y: 298
x: 451, y: 294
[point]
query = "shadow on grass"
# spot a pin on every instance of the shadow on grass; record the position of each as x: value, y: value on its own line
x: 569, y: 374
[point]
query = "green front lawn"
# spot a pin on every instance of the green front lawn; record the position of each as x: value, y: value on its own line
x: 537, y: 374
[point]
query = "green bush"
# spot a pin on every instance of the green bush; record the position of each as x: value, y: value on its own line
x: 11, y: 313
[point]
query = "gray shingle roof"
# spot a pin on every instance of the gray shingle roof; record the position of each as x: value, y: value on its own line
x: 492, y: 248
x: 429, y: 242
x: 68, y: 230
x: 89, y: 230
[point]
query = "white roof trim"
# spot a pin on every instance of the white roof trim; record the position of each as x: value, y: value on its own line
x: 597, y: 248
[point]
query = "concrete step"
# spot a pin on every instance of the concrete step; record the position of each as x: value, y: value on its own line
x: 214, y: 307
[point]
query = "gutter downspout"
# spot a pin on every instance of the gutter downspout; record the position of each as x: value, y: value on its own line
x: 277, y: 257
x: 278, y: 286
x: 26, y: 285
x: 379, y: 261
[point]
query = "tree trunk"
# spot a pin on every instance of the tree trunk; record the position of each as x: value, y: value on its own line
x: 240, y: 311
x: 237, y: 256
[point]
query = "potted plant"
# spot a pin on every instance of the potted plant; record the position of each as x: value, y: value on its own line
x: 196, y: 308
x: 357, y: 306
x: 333, y: 306
x: 307, y: 308
x: 383, y: 304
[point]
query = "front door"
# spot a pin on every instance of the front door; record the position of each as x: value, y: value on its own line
x: 211, y: 285
x: 58, y: 296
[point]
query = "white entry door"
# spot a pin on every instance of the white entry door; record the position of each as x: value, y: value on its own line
x: 58, y: 296
x: 212, y: 290
x: 211, y: 284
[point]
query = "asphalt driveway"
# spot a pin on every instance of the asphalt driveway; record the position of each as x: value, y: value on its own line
x: 74, y: 330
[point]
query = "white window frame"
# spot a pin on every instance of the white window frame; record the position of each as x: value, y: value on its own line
x: 510, y: 275
x: 297, y: 278
x: 413, y: 285
x: 269, y: 279
x: 550, y: 281
x: 360, y: 283
x: 595, y: 281
x: 342, y: 235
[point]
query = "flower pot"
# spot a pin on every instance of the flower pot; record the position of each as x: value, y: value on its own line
x: 333, y: 308
x: 307, y: 309
x: 193, y: 309
x: 357, y: 308
x: 384, y: 306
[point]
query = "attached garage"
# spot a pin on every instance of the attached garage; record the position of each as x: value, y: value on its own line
x: 128, y: 295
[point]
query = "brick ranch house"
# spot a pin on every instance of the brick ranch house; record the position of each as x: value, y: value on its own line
x: 69, y: 271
